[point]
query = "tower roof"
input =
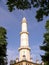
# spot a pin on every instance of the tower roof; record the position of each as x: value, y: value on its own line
x: 24, y: 20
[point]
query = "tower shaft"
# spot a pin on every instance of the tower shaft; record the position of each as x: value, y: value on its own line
x: 24, y: 43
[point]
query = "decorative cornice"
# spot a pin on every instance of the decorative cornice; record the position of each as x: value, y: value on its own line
x: 24, y: 48
x: 23, y: 32
x: 28, y: 62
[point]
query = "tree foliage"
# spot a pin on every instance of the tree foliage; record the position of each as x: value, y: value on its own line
x: 3, y: 46
x: 42, y: 5
x: 45, y: 46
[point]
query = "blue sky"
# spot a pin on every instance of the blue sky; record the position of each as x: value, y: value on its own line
x: 12, y: 22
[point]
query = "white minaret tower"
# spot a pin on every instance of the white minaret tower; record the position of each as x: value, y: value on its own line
x: 24, y: 50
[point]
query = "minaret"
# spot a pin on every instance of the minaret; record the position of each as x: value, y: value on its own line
x: 24, y: 50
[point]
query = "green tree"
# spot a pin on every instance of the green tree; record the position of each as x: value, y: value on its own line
x: 3, y: 46
x: 41, y: 5
x: 45, y: 46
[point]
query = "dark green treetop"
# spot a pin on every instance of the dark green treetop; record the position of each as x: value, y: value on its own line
x: 41, y: 5
x: 3, y: 46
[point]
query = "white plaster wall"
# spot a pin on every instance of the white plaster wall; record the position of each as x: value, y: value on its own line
x: 25, y: 52
x: 24, y: 27
x: 24, y: 40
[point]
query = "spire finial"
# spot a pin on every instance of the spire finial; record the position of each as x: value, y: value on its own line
x: 24, y: 20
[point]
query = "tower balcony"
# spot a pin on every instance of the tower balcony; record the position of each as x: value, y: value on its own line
x: 24, y: 32
x: 24, y: 47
